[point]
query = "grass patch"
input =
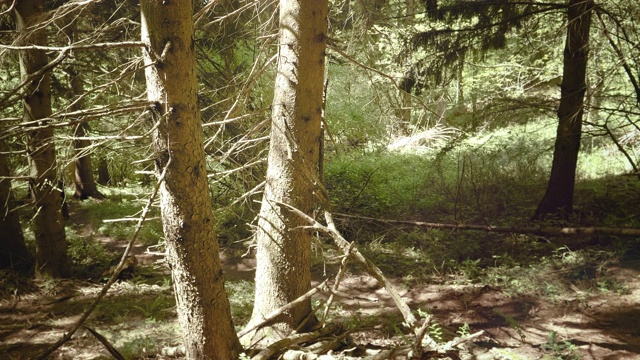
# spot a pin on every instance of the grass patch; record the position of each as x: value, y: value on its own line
x: 240, y: 293
x: 119, y: 204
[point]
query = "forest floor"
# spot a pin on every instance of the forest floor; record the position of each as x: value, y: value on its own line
x: 138, y: 314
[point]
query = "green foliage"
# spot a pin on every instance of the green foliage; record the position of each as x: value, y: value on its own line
x: 377, y: 184
x: 550, y: 276
x: 512, y: 322
x: 140, y: 303
x: 157, y: 310
x: 119, y: 204
x: 464, y: 330
x: 355, y: 122
x: 88, y: 257
x: 240, y: 295
x: 138, y: 346
x: 435, y: 332
x: 564, y: 350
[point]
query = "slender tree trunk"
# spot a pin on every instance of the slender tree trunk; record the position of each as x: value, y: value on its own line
x: 13, y: 251
x: 283, y: 270
x: 84, y: 181
x: 51, y: 243
x: 192, y: 248
x: 406, y: 85
x: 103, y: 171
x: 558, y: 198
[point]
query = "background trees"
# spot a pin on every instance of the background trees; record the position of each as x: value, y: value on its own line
x: 51, y: 245
x: 442, y: 113
x: 559, y: 195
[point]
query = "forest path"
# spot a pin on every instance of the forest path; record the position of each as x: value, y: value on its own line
x: 596, y: 324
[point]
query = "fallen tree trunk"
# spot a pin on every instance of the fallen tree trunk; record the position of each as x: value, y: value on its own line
x: 540, y: 230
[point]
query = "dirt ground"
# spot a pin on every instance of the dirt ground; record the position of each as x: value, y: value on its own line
x: 591, y: 325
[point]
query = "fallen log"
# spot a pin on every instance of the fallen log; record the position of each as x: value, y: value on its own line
x: 540, y: 230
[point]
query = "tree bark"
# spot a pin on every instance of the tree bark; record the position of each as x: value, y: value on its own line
x: 192, y: 248
x: 558, y: 198
x: 283, y: 270
x: 13, y: 251
x: 51, y: 243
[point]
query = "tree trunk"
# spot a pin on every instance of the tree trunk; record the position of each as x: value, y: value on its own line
x: 84, y: 181
x: 103, y: 172
x: 13, y: 251
x: 192, y: 248
x: 558, y: 198
x: 406, y: 85
x: 283, y: 270
x: 51, y: 243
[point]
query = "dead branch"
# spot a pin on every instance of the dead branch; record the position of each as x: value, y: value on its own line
x: 282, y: 309
x: 87, y: 47
x: 121, y: 265
x: 79, y: 116
x: 457, y: 341
x: 336, y: 284
x: 296, y: 339
x: 542, y: 230
x: 33, y: 76
x: 344, y: 245
x: 128, y: 220
x: 112, y: 350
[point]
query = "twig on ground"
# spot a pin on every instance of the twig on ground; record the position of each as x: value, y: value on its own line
x: 542, y: 231
x: 336, y: 285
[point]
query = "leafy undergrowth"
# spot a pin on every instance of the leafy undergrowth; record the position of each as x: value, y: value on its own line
x: 534, y: 297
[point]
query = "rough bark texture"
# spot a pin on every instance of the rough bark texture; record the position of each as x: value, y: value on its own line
x: 13, y: 251
x: 283, y: 248
x: 192, y: 248
x: 558, y: 198
x: 51, y: 243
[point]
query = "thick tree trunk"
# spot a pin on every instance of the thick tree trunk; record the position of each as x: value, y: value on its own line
x: 51, y: 243
x: 13, y: 251
x: 558, y: 198
x: 284, y: 248
x: 192, y: 248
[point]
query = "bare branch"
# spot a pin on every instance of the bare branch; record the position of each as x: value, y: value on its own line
x: 275, y: 313
x: 542, y: 231
x: 87, y: 47
x: 80, y: 115
x: 32, y: 76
